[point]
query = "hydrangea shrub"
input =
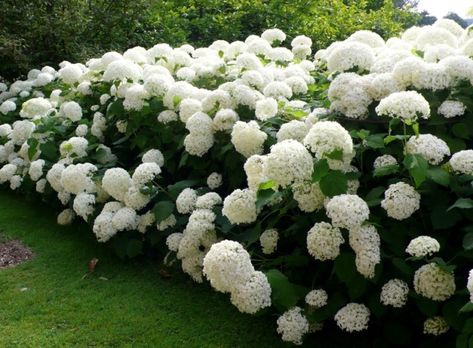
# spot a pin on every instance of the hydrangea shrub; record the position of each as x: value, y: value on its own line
x: 335, y: 190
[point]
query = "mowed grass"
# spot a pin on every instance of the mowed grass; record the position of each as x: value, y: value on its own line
x: 46, y: 303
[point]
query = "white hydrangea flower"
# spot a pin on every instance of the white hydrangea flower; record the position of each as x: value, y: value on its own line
x: 77, y: 178
x: 135, y: 199
x: 224, y: 120
x: 7, y: 106
x: 394, y: 293
x: 145, y: 173
x: 125, y: 219
x: 469, y: 284
x: 35, y: 170
x: 35, y: 108
x: 71, y: 73
x: 347, y: 211
x: 326, y: 137
x: 294, y: 129
x: 247, y: 138
x: 367, y: 37
x: 353, y: 317
x: 214, y: 180
x: 122, y: 69
x: 173, y: 240
x: 433, y: 149
x: 309, y: 196
x: 349, y: 56
x: 433, y: 282
x: 272, y: 35
x: 71, y: 110
x: 84, y: 205
x: 266, y: 108
x: 383, y: 161
x: 185, y: 202
x: 145, y: 221
x: 54, y: 176
x: 407, y: 106
x: 74, y: 147
x: 15, y: 182
x: 451, y: 108
x: 435, y: 326
x: 208, y: 200
x: 349, y: 95
x: 269, y: 240
x: 41, y: 185
x: 103, y: 228
x: 21, y: 131
x: 66, y: 217
x: 288, y: 162
x: 254, y: 167
x: 293, y: 325
x: 400, y: 201
x: 462, y: 162
x: 240, y: 207
x: 170, y: 221
x: 316, y: 298
x: 366, y: 243
x: 116, y: 182
x: 253, y: 295
x: 153, y: 156
x: 323, y: 241
x: 227, y: 265
x: 423, y: 246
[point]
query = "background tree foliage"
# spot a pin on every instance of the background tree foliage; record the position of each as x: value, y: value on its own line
x: 35, y: 33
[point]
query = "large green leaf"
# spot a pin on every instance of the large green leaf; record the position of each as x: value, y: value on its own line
x: 462, y: 203
x: 333, y: 184
x: 417, y: 167
x: 162, y: 210
x: 284, y: 294
x: 321, y: 169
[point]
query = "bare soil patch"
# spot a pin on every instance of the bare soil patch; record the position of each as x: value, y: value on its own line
x: 13, y: 253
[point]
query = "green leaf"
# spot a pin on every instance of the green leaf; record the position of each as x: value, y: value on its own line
x: 468, y: 241
x: 283, y: 293
x: 49, y: 151
x: 439, y: 175
x: 462, y: 203
x: 267, y: 185
x: 336, y: 154
x: 263, y: 197
x: 32, y: 147
x: 417, y: 167
x: 396, y: 333
x: 333, y: 184
x: 162, y: 210
x: 386, y: 170
x: 250, y: 236
x: 373, y: 197
x: 375, y: 141
x: 321, y: 169
x: 344, y: 267
x: 467, y: 308
x: 177, y: 188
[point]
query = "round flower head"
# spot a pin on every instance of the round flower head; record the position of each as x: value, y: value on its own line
x: 462, y: 162
x: 35, y: 108
x: 400, y: 201
x: 266, y: 108
x: 72, y: 111
x: 145, y: 173
x: 288, y: 162
x: 66, y: 217
x: 292, y: 326
x: 269, y: 240
x: 247, y: 138
x: 294, y: 129
x: 214, y: 180
x: 327, y: 137
x: 353, y: 317
x: 240, y: 207
x: 469, y: 284
x: 347, y: 211
x: 116, y: 182
x: 185, y: 202
x: 383, y: 161
x: 227, y: 265
x: 125, y: 219
x: 323, y: 241
x: 423, y: 246
x: 433, y: 149
x: 316, y: 298
x: 407, y: 106
x: 433, y: 282
x: 153, y: 156
x: 173, y: 240
x: 435, y: 326
x: 253, y: 295
x: 451, y: 108
x: 350, y: 56
x: 394, y: 293
x: 309, y: 197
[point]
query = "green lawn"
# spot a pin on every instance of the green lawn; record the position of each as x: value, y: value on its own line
x: 135, y: 307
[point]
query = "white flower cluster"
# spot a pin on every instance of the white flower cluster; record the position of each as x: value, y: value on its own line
x: 462, y: 162
x: 394, y: 293
x: 400, y: 201
x: 323, y: 241
x: 469, y: 284
x: 423, y: 246
x: 353, y: 317
x: 293, y: 325
x: 365, y: 242
x: 407, y: 106
x: 347, y: 211
x: 228, y: 267
x: 435, y: 326
x: 316, y: 298
x: 433, y: 149
x: 240, y: 207
x: 269, y: 240
x: 433, y: 282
